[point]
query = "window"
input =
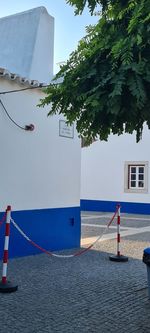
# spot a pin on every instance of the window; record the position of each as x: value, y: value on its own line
x: 136, y: 177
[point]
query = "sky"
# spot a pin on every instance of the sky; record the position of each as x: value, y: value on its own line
x: 69, y: 29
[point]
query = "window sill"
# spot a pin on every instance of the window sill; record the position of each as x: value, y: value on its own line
x: 144, y: 191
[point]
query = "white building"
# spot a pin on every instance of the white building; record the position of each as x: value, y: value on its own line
x: 27, y: 44
x: 39, y: 169
x: 117, y: 171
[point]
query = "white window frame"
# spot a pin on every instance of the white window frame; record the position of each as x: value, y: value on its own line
x: 127, y: 179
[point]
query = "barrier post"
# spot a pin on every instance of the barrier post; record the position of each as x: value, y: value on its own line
x: 118, y: 257
x: 6, y: 286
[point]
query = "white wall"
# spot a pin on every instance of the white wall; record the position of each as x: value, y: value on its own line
x: 43, y: 53
x: 102, y: 174
x: 27, y: 44
x: 38, y: 169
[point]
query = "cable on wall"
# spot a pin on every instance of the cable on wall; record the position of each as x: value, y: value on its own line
x: 26, y: 128
x: 23, y: 89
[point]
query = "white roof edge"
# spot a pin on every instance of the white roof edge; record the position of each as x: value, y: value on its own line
x: 4, y: 73
x: 40, y: 8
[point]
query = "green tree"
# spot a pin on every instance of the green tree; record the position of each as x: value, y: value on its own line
x: 106, y: 80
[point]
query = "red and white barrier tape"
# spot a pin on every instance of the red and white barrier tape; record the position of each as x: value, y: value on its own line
x: 118, y: 232
x: 6, y: 245
x: 107, y: 227
x: 63, y: 255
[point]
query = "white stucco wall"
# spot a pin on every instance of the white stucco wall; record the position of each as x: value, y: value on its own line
x: 102, y: 174
x: 43, y: 53
x: 27, y: 44
x: 38, y: 169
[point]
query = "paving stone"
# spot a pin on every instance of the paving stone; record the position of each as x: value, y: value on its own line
x: 85, y: 294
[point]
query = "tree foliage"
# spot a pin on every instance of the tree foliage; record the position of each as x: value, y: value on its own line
x: 106, y: 80
x: 91, y: 4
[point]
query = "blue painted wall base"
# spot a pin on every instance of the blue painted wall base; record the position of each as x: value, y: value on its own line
x: 53, y: 229
x: 110, y: 206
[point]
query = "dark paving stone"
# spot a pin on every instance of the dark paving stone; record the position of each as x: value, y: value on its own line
x: 85, y: 294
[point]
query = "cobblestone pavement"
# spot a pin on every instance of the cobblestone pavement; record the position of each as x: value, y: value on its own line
x: 85, y: 294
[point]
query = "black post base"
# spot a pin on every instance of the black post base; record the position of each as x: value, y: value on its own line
x: 119, y: 258
x: 8, y: 287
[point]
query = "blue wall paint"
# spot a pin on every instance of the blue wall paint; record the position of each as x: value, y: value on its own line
x: 53, y: 229
x: 110, y: 206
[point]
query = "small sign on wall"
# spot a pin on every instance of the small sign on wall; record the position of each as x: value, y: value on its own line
x: 66, y: 130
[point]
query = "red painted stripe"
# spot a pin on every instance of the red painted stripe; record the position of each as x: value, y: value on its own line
x: 4, y: 279
x: 7, y: 230
x: 118, y: 219
x: 5, y: 258
x: 118, y: 238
